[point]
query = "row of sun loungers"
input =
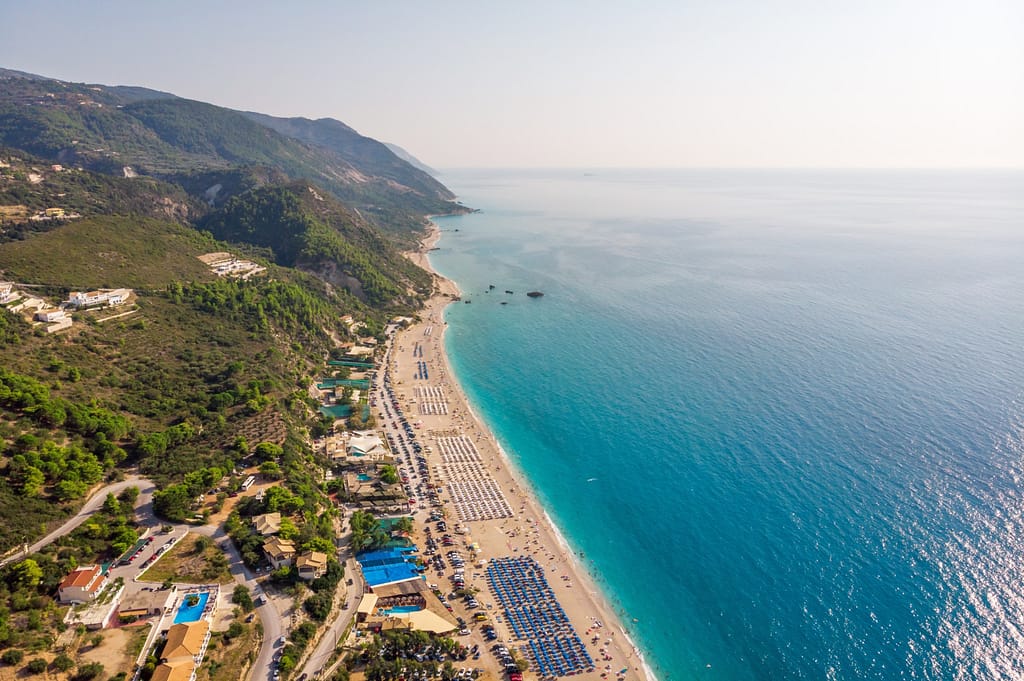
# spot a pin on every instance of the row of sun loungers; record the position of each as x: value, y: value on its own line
x: 478, y: 500
x: 457, y: 449
x: 535, y: 616
x: 474, y: 492
x: 431, y: 400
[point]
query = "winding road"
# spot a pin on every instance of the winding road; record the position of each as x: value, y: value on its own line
x: 273, y: 624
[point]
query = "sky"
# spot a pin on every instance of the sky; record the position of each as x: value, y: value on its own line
x: 686, y: 83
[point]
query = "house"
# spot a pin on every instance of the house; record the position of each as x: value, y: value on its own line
x: 312, y: 565
x: 6, y: 289
x: 109, y: 297
x: 82, y: 584
x: 280, y: 552
x: 174, y: 671
x: 52, y: 315
x: 267, y: 524
x: 186, y: 643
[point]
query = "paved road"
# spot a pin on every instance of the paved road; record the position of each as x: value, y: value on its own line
x: 273, y: 625
x: 93, y: 504
x: 331, y: 637
x: 273, y: 622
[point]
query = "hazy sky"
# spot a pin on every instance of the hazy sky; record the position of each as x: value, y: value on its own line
x: 863, y: 83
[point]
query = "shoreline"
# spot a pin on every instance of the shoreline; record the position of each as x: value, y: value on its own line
x: 530, y: 531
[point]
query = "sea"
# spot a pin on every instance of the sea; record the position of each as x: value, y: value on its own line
x: 778, y: 414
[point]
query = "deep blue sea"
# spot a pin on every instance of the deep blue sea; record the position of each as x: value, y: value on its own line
x: 780, y: 412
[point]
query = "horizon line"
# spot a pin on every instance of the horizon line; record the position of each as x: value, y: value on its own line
x: 587, y: 168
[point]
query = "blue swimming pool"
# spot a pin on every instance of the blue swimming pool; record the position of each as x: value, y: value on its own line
x: 187, y: 613
x: 363, y: 477
x: 401, y: 608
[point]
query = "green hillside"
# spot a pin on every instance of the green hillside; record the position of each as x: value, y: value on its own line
x: 29, y: 186
x: 305, y: 229
x: 198, y: 366
x: 110, y: 187
x: 108, y: 128
x: 109, y: 252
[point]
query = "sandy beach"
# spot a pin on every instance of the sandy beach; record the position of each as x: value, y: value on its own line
x: 441, y: 414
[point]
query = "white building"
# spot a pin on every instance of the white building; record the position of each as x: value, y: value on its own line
x: 366, y: 444
x: 51, y: 315
x: 82, y: 584
x: 110, y: 297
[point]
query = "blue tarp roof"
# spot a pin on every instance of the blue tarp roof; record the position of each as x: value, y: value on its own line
x: 386, y: 566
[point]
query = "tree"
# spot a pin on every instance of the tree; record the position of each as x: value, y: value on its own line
x: 172, y: 503
x: 36, y: 666
x: 242, y: 597
x: 288, y: 529
x: 366, y: 531
x: 267, y: 451
x: 31, y: 480
x: 66, y: 490
x: 318, y: 544
x: 388, y: 474
x: 27, y: 573
x: 319, y: 605
x: 111, y: 506
x: 270, y: 469
x: 129, y: 495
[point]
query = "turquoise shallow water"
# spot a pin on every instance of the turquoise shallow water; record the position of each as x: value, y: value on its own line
x: 779, y: 412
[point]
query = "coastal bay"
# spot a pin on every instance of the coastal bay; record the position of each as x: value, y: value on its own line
x: 528, y: 531
x: 768, y: 406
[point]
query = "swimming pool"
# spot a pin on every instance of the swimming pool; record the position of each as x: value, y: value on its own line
x: 363, y: 477
x: 187, y: 613
x: 401, y: 608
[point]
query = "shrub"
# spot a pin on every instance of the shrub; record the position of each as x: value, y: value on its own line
x: 36, y: 666
x: 12, y: 656
x: 89, y: 671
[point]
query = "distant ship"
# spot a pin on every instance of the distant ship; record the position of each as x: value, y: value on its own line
x: 534, y: 294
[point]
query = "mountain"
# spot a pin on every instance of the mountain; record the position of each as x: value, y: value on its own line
x: 315, y: 233
x: 11, y: 73
x: 357, y: 149
x: 410, y: 159
x: 36, y: 196
x: 113, y: 129
x: 195, y: 372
